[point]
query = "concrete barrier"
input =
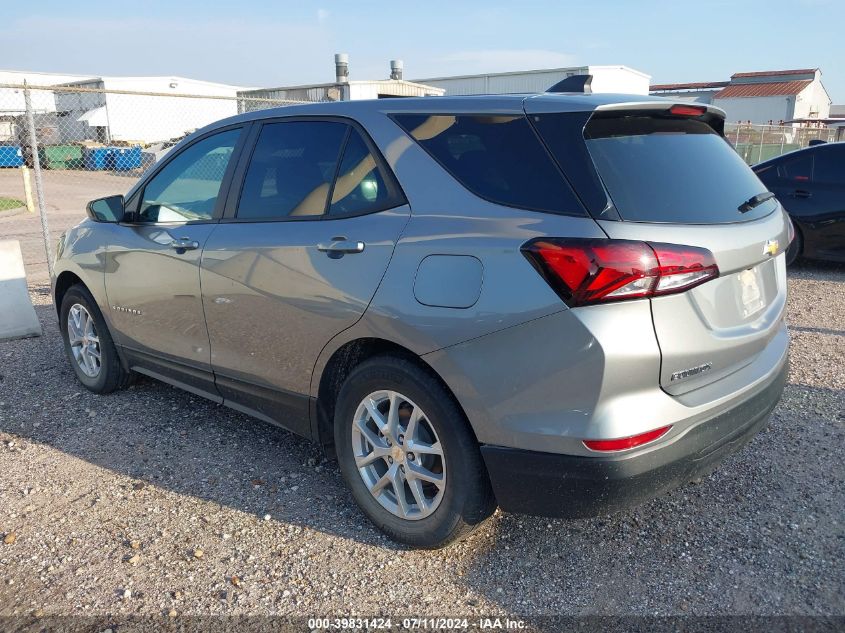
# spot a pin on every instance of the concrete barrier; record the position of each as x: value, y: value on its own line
x: 17, y: 316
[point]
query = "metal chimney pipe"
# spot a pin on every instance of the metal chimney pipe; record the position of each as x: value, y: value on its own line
x: 396, y: 66
x: 341, y: 67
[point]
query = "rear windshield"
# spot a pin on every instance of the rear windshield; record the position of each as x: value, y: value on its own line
x: 667, y: 169
x: 498, y: 158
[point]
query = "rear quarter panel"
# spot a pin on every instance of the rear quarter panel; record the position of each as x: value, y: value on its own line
x: 446, y: 219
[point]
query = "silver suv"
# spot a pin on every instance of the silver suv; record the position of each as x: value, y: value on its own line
x: 560, y: 304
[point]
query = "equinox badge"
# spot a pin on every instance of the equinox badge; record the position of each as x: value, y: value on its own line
x: 692, y: 371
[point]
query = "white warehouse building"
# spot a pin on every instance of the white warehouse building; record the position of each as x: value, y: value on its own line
x: 619, y: 79
x: 776, y: 96
x: 107, y: 114
x: 12, y: 94
x: 13, y: 100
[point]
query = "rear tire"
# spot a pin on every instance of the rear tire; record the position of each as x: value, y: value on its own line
x: 88, y: 343
x: 795, y: 249
x: 443, y: 488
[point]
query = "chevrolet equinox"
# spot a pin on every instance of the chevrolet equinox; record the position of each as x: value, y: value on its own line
x: 559, y: 304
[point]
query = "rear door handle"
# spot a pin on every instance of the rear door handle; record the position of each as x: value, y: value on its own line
x: 801, y: 193
x: 340, y: 246
x: 184, y: 244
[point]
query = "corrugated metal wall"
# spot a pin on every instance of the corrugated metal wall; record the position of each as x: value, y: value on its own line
x: 341, y: 92
x: 529, y: 82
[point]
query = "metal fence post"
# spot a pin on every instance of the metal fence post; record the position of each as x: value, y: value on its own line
x: 39, y: 183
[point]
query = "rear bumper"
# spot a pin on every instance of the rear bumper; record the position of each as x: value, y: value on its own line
x: 570, y: 486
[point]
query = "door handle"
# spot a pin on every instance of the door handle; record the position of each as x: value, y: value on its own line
x: 801, y: 193
x: 184, y: 244
x: 340, y: 246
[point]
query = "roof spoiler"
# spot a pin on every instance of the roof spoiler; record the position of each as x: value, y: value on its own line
x: 575, y: 83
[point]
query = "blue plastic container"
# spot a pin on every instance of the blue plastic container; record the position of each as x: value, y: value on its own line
x: 11, y: 156
x: 94, y: 158
x: 112, y: 158
x: 126, y: 158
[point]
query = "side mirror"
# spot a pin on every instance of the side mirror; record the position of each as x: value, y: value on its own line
x: 109, y: 209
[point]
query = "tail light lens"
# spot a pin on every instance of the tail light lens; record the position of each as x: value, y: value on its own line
x: 625, y: 443
x: 588, y: 271
x: 684, y: 110
x: 790, y: 230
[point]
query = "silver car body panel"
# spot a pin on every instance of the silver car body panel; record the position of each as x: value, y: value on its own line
x: 158, y: 318
x: 546, y: 102
x: 717, y: 323
x: 528, y: 371
x: 585, y: 373
x: 272, y: 300
x: 81, y: 252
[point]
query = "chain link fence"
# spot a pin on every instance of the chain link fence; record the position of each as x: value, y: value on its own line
x: 756, y: 143
x: 61, y: 146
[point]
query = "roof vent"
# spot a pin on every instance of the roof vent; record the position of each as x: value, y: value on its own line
x: 396, y: 67
x: 341, y: 67
x: 575, y: 83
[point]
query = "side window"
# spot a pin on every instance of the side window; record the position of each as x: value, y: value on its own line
x: 830, y: 165
x: 291, y: 170
x: 186, y: 188
x: 360, y: 186
x: 497, y: 157
x: 799, y: 168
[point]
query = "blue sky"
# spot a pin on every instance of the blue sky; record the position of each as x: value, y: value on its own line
x: 263, y: 43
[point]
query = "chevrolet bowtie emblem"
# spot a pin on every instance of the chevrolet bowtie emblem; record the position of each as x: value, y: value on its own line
x: 770, y: 248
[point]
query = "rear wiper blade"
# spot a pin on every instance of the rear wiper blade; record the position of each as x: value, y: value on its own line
x: 755, y: 201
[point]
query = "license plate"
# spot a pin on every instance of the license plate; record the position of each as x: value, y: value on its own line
x: 750, y: 292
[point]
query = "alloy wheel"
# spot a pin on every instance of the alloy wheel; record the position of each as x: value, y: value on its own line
x: 84, y: 341
x: 398, y: 455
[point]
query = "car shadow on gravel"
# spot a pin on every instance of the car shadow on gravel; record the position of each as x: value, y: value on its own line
x: 157, y: 435
x: 810, y: 269
x: 757, y: 536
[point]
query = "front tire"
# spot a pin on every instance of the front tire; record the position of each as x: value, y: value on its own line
x: 408, y: 455
x: 88, y: 343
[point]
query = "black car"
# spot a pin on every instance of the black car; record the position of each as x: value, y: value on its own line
x: 810, y: 184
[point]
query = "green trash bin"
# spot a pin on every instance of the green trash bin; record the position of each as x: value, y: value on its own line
x: 61, y: 156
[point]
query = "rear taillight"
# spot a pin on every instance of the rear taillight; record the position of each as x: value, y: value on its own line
x: 625, y: 443
x: 790, y: 230
x: 586, y: 271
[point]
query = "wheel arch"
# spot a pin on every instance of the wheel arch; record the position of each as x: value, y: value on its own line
x: 341, y: 363
x: 64, y: 282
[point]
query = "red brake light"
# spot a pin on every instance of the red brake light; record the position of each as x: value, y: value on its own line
x: 684, y: 110
x: 625, y: 443
x: 585, y: 271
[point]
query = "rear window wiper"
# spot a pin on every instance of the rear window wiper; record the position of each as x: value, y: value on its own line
x: 755, y: 201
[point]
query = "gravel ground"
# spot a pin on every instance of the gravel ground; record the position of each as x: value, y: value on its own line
x: 152, y: 501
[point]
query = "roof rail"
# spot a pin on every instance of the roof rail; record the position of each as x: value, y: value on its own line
x: 575, y: 83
